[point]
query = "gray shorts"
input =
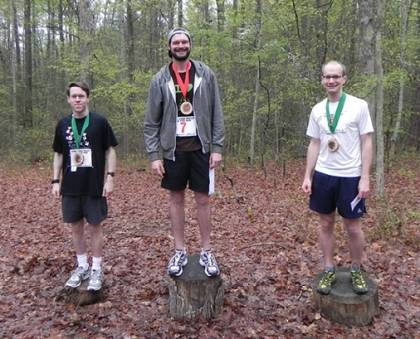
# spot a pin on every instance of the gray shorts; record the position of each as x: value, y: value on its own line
x: 75, y: 208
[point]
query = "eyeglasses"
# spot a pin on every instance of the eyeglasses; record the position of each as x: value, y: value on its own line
x: 335, y: 77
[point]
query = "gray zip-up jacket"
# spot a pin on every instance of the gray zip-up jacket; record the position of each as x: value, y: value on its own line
x: 162, y: 111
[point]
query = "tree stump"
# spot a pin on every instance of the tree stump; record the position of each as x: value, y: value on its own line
x: 80, y: 296
x: 193, y: 294
x: 344, y: 306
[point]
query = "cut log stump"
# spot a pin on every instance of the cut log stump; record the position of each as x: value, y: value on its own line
x: 344, y: 306
x: 80, y: 296
x: 193, y: 294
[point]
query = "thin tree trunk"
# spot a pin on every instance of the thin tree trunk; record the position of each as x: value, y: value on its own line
x: 220, y: 15
x: 404, y: 9
x: 180, y: 14
x: 257, y: 85
x: 86, y: 18
x: 28, y: 119
x: 380, y: 12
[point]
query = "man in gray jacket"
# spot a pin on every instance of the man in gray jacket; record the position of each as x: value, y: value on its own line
x: 184, y: 133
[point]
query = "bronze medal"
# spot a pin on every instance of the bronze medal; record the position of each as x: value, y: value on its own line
x: 333, y: 144
x: 186, y: 108
x: 78, y: 158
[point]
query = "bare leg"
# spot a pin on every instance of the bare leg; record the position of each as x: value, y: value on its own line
x: 203, y: 214
x: 326, y: 238
x: 79, y: 243
x: 97, y: 239
x: 177, y: 213
x: 356, y: 240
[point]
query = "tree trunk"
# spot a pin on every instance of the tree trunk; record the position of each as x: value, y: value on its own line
x: 130, y: 43
x: 14, y: 71
x: 404, y: 9
x: 380, y: 11
x: 220, y: 15
x: 87, y: 23
x: 28, y: 119
x: 180, y: 14
x: 257, y: 84
x: 367, y: 50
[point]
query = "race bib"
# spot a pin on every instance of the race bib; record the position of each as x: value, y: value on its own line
x: 186, y: 127
x: 81, y: 157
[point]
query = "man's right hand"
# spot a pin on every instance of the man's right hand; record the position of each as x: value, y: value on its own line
x: 307, y: 186
x: 157, y: 168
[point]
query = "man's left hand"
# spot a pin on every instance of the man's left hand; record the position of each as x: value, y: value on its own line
x: 363, y: 187
x: 108, y: 186
x: 215, y: 160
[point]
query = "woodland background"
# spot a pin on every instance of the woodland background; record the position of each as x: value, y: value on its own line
x: 267, y: 56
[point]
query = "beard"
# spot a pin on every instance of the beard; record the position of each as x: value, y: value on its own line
x: 173, y: 54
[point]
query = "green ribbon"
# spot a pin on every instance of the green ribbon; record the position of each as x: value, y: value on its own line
x: 332, y: 123
x: 76, y: 135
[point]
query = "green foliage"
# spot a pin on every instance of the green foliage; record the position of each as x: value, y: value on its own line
x: 295, y: 39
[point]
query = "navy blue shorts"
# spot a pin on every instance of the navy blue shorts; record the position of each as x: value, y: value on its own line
x: 330, y: 193
x: 93, y: 209
x: 190, y: 167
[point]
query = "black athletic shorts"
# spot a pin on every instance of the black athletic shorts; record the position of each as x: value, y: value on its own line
x: 189, y: 166
x: 93, y: 209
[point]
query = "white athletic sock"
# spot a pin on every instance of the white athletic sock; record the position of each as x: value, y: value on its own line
x: 96, y: 263
x: 82, y: 261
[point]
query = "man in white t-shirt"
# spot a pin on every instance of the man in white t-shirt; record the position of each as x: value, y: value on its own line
x: 338, y: 163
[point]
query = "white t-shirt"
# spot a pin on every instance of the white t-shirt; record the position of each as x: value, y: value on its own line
x: 354, y: 121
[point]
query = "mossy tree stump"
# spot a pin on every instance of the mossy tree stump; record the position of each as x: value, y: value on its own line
x: 80, y: 296
x: 344, y: 306
x: 193, y: 294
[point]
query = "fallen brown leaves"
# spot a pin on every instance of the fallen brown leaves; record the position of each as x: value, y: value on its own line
x: 264, y: 237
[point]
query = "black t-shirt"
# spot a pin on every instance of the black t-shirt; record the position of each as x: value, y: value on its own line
x: 185, y: 143
x: 98, y: 137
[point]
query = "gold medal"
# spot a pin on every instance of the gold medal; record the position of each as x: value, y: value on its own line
x: 333, y: 144
x: 186, y: 108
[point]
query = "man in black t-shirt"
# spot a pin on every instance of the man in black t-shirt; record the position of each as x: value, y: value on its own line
x: 85, y: 158
x: 184, y: 133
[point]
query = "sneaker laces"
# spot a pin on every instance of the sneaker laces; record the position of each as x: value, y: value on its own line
x: 209, y: 258
x: 176, y: 258
x: 358, y: 278
x: 95, y: 275
x: 326, y: 278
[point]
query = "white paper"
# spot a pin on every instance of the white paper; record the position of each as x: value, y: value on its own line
x: 211, y: 181
x: 186, y: 127
x: 355, y: 202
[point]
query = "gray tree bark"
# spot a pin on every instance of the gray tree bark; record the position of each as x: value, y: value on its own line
x: 28, y: 119
x: 380, y: 177
x: 404, y: 10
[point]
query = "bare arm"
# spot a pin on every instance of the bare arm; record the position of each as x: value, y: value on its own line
x: 111, y: 166
x: 57, y: 168
x: 367, y: 154
x: 311, y: 158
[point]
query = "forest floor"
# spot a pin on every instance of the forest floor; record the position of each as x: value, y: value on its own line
x: 264, y: 237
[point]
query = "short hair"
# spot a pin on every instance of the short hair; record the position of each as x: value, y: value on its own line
x: 333, y: 62
x: 81, y: 84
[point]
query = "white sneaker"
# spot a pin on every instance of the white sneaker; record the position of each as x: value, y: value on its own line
x: 95, y: 281
x: 208, y: 261
x: 77, y: 276
x: 176, y: 263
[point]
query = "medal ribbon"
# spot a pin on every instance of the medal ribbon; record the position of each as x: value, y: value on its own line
x: 76, y: 135
x: 332, y: 124
x: 183, y: 85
